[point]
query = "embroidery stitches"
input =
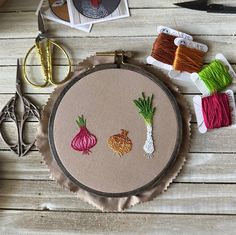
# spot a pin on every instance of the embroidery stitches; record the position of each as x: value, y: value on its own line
x: 146, y: 110
x: 84, y: 140
x: 120, y: 143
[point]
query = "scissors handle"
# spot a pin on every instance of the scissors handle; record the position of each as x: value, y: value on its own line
x: 46, y: 60
x: 8, y: 113
x: 30, y: 111
x: 46, y: 63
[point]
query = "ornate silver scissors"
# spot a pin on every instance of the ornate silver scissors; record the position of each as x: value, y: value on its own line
x: 18, y: 109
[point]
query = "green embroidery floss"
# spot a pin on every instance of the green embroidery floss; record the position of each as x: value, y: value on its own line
x: 215, y: 76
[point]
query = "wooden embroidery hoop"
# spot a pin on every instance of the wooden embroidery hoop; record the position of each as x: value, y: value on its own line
x: 113, y: 200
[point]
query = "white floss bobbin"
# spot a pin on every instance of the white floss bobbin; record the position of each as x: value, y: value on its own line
x: 163, y: 51
x: 197, y: 101
x: 185, y: 75
x: 199, y: 83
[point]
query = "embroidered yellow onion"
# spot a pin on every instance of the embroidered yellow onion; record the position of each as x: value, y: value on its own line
x: 120, y: 143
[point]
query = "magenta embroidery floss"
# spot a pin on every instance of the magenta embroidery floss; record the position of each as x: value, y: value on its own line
x: 84, y: 140
x: 216, y: 111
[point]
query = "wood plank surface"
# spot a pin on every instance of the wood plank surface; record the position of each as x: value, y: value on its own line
x: 8, y: 76
x: 31, y: 5
x: 202, y: 198
x: 17, y: 48
x: 199, y: 168
x: 142, y: 23
x: 13, y: 222
x: 179, y: 198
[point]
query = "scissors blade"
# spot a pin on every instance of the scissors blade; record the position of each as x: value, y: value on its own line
x: 219, y: 8
x: 41, y: 26
x: 18, y: 74
x: 200, y: 5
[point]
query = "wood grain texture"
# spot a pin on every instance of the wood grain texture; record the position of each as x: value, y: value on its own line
x: 30, y: 167
x: 13, y: 222
x: 31, y: 5
x: 199, y: 168
x: 17, y: 48
x: 8, y: 74
x: 142, y: 23
x: 179, y: 198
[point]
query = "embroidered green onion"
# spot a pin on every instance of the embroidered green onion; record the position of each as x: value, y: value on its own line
x: 147, y: 111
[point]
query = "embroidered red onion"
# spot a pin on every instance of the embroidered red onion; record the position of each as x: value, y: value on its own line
x: 95, y: 3
x: 84, y: 140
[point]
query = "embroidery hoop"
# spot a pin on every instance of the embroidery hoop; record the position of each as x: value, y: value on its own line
x: 106, y: 201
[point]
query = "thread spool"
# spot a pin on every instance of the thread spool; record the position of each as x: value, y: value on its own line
x: 216, y: 111
x: 188, y: 59
x: 215, y: 76
x: 164, y: 48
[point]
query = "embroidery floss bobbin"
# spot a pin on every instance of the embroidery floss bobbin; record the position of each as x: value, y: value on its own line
x: 216, y: 111
x: 189, y: 56
x: 188, y: 59
x: 215, y: 76
x: 164, y: 48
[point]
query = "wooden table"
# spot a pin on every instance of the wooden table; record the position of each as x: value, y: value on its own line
x: 202, y: 200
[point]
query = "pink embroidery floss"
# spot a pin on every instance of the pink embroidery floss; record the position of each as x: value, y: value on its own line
x: 216, y: 111
x: 84, y: 140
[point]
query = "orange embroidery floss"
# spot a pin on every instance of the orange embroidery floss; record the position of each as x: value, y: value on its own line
x: 164, y: 48
x: 188, y: 59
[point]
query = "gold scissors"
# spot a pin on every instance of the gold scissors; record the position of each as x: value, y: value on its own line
x: 44, y: 47
x: 18, y: 109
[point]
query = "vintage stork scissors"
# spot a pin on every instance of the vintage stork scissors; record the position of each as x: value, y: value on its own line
x: 44, y: 48
x: 18, y: 109
x: 202, y: 5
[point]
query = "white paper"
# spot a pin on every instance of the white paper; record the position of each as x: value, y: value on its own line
x: 48, y: 14
x: 78, y: 19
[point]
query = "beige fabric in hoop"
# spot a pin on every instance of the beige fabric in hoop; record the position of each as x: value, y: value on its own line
x: 112, y: 203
